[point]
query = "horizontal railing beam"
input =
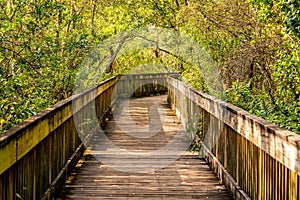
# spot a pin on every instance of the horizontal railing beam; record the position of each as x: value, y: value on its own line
x: 262, y: 157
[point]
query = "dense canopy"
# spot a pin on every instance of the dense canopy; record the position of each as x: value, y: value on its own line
x: 254, y: 43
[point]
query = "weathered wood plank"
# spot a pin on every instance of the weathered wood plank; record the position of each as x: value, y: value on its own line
x: 185, y: 178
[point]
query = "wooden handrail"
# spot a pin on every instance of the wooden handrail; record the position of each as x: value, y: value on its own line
x: 36, y: 154
x: 263, y: 159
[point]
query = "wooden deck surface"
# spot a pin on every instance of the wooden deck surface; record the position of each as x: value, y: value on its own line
x: 138, y: 165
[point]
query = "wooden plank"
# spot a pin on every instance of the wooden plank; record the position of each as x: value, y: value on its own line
x: 185, y: 178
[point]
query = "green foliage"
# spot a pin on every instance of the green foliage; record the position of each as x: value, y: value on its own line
x: 194, y: 131
x: 291, y: 10
x: 287, y: 77
x: 44, y: 42
x: 281, y: 106
x: 286, y: 13
x: 39, y: 54
x: 254, y: 43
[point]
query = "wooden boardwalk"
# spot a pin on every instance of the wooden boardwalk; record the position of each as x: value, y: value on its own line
x: 119, y: 165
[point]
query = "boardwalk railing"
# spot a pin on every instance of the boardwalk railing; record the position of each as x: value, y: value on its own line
x: 36, y: 156
x: 249, y: 154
